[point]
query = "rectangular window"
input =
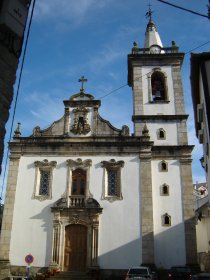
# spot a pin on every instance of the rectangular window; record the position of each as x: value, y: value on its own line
x: 112, y: 189
x: 43, y: 179
x: 112, y: 182
x: 44, y: 182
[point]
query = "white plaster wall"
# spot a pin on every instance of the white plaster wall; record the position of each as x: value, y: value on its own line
x: 170, y: 129
x: 169, y: 241
x: 119, y: 229
x: 155, y: 108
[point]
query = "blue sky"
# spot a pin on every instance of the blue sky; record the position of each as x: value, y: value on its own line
x: 71, y: 38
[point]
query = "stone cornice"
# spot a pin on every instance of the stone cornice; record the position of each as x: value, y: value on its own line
x: 160, y: 117
x: 86, y: 103
x: 172, y: 152
x: 79, y: 145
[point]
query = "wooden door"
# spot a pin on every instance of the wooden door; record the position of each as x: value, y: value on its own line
x: 75, y: 248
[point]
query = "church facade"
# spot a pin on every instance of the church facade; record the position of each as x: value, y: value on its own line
x: 84, y: 195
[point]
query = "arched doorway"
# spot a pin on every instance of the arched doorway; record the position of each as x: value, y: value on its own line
x: 75, y: 256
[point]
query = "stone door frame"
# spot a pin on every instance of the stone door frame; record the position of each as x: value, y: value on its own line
x: 65, y: 217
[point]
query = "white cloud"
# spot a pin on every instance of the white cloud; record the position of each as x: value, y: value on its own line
x: 45, y: 110
x: 74, y: 11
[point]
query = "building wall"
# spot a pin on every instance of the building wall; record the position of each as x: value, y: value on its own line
x: 170, y: 131
x: 119, y: 226
x: 169, y: 241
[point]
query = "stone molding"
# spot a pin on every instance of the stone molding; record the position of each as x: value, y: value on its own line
x: 108, y: 166
x: 159, y: 117
x: 72, y: 165
x: 66, y: 217
x: 79, y: 163
x: 39, y: 166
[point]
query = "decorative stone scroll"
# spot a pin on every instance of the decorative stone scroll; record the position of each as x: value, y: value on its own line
x: 79, y: 163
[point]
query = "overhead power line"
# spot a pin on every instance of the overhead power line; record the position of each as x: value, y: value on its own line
x: 184, y: 9
x: 122, y: 86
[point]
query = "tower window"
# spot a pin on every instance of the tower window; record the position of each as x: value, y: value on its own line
x: 164, y: 190
x: 166, y: 220
x: 163, y: 166
x: 158, y: 86
x: 161, y: 134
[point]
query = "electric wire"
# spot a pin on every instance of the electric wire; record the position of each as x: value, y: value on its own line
x: 184, y: 9
x: 115, y: 90
x: 17, y: 94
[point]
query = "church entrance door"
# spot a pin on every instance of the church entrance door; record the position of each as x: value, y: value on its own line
x: 75, y: 248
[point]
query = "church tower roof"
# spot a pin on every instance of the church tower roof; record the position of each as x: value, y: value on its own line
x: 151, y: 35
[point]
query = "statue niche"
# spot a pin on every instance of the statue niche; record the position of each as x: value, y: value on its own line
x: 80, y: 125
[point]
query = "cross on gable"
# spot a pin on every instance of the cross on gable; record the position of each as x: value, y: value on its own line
x: 82, y: 80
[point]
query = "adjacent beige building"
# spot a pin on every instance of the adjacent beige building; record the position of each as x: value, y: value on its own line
x: 200, y: 85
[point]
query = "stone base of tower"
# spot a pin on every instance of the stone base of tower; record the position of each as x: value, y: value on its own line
x: 4, y: 269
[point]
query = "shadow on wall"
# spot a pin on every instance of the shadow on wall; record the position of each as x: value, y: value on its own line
x: 46, y: 217
x: 169, y: 250
x: 169, y: 245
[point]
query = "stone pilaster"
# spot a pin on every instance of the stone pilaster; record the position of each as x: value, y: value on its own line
x: 138, y: 107
x: 146, y: 207
x: 188, y: 212
x: 182, y: 133
x: 66, y: 121
x: 178, y: 91
x: 94, y: 261
x: 56, y: 246
x: 8, y: 215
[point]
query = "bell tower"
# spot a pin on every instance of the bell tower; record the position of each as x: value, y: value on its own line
x: 154, y: 74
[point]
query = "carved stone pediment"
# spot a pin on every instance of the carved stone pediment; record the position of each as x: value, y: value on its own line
x: 80, y: 125
x: 45, y: 163
x: 79, y: 163
x: 112, y: 163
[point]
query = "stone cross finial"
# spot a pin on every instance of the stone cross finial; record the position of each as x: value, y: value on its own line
x: 82, y: 80
x: 149, y: 13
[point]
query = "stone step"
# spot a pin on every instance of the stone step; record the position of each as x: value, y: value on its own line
x: 71, y: 275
